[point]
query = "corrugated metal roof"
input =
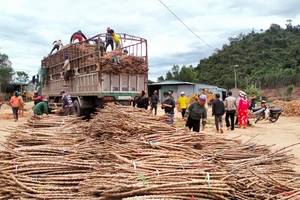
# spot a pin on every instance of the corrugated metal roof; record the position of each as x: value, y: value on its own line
x: 173, y: 82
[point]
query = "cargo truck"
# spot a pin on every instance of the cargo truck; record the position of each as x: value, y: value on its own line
x: 97, y: 79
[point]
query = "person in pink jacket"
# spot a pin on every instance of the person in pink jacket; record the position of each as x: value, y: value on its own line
x: 243, y: 110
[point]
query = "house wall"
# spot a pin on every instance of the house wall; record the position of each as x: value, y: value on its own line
x: 166, y: 88
x: 187, y: 89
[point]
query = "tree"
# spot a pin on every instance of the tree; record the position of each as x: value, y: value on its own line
x: 6, y: 72
x: 289, y: 91
x: 22, y: 77
x: 169, y: 76
x: 160, y: 79
x: 4, y: 61
x: 187, y: 74
x: 175, y: 71
x: 180, y: 74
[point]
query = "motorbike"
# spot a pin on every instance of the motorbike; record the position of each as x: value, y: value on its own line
x: 272, y: 113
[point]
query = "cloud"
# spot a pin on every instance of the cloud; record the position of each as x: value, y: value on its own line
x: 29, y: 27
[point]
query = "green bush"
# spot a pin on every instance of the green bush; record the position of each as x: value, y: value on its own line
x: 250, y: 90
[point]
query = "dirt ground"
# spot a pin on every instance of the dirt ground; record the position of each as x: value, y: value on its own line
x: 285, y: 132
x: 7, y: 119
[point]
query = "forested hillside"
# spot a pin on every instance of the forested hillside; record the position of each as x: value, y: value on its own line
x: 271, y: 57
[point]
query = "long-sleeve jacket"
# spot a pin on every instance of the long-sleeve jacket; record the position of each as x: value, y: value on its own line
x: 196, y: 112
x: 41, y: 108
x: 218, y: 107
x: 243, y: 104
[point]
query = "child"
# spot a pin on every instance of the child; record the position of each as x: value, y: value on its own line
x: 218, y: 110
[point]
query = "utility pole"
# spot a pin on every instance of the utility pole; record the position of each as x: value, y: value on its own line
x: 260, y: 90
x: 235, y: 85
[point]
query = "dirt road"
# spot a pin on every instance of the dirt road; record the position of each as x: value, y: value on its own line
x: 285, y: 132
x: 7, y: 120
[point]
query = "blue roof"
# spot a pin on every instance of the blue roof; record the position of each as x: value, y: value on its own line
x: 173, y: 82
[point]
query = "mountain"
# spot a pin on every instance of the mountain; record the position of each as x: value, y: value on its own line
x: 271, y: 57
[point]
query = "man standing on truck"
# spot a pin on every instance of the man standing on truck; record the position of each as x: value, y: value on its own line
x: 100, y: 46
x: 116, y: 39
x: 77, y: 36
x: 109, y: 39
x: 67, y: 69
x: 57, y: 45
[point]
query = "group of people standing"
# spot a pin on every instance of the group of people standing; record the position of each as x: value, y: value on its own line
x: 112, y: 39
x: 196, y: 111
x: 192, y: 114
x: 239, y: 107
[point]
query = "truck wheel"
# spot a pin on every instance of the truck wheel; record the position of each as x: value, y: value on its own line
x: 78, y: 112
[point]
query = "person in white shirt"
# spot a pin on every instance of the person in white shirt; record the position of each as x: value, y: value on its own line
x: 230, y: 108
x: 57, y: 45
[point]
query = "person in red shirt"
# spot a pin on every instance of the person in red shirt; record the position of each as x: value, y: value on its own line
x: 77, y: 36
x: 15, y: 104
x: 243, y: 110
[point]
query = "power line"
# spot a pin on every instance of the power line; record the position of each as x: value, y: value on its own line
x: 185, y: 25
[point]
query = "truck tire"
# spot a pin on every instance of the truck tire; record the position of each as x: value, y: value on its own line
x: 78, y: 112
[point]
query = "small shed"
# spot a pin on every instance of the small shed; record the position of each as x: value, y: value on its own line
x: 176, y: 86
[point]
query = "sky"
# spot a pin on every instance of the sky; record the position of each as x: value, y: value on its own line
x: 29, y: 27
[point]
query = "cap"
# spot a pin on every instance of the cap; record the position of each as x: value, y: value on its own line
x: 35, y: 92
x: 182, y: 92
x: 202, y: 97
x: 19, y: 93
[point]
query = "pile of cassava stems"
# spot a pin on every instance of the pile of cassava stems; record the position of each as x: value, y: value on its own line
x: 89, y: 54
x: 290, y: 108
x: 124, y: 153
x: 127, y: 64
